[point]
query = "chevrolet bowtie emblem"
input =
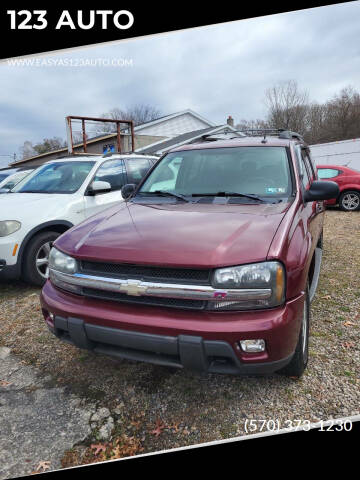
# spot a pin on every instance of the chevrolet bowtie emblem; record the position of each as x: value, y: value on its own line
x: 133, y: 287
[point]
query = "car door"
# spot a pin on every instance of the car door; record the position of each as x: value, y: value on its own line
x: 112, y: 171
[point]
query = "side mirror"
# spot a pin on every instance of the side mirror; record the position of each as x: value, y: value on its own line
x: 128, y: 190
x: 321, y: 190
x: 99, y: 187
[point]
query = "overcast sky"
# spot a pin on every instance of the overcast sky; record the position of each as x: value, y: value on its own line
x: 216, y: 71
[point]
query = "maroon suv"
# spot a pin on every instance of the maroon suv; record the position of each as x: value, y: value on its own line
x: 210, y: 264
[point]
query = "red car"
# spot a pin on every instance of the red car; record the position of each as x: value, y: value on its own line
x: 211, y: 263
x: 349, y: 185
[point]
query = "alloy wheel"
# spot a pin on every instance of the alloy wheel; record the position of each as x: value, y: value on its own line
x: 351, y: 201
x: 42, y: 259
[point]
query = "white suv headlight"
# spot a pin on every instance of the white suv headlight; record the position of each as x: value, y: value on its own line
x: 269, y: 275
x: 7, y: 227
x: 62, y: 263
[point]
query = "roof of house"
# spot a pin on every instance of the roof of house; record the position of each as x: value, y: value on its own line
x: 64, y: 149
x: 173, y: 115
x: 111, y: 135
x: 165, y: 145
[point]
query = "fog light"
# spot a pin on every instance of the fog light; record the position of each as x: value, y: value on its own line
x: 51, y: 316
x: 253, y: 346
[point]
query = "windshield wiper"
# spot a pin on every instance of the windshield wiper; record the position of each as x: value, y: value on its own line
x: 164, y: 193
x: 32, y: 191
x: 229, y: 194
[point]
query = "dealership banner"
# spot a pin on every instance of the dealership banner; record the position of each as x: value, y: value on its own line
x: 257, y: 453
x: 37, y: 28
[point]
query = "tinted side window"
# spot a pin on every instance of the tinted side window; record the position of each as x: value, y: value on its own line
x: 112, y: 171
x: 308, y: 165
x: 328, y: 172
x: 136, y: 169
x: 312, y: 165
x: 304, y: 176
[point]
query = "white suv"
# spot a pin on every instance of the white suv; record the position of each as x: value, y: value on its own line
x: 54, y: 197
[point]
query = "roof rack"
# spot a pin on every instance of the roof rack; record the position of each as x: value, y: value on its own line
x: 258, y: 132
x: 110, y: 154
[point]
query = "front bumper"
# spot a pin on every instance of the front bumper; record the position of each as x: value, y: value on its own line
x: 9, y: 257
x: 203, y: 341
x: 183, y: 351
x: 9, y: 272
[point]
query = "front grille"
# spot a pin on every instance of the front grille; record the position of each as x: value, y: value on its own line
x: 146, y: 273
x: 155, y: 301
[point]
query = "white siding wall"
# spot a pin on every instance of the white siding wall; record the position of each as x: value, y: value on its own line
x: 346, y: 152
x: 174, y: 126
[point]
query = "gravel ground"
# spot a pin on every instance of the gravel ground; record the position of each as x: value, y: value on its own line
x: 40, y: 422
x: 154, y: 408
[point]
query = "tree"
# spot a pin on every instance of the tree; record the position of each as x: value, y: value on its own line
x: 27, y: 150
x: 49, y: 145
x: 287, y: 106
x: 252, y: 124
x: 140, y: 113
x: 290, y: 108
x: 343, y: 115
x: 316, y: 121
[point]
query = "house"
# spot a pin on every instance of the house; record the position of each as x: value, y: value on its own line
x: 155, y: 131
x: 175, y: 124
x: 96, y: 145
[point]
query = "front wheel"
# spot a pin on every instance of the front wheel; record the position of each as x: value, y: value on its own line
x: 36, y: 258
x: 300, y: 359
x: 350, y: 201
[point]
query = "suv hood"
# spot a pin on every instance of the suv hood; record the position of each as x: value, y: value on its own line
x: 176, y: 234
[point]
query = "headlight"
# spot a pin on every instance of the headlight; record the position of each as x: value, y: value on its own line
x: 7, y: 227
x: 59, y: 263
x: 268, y: 275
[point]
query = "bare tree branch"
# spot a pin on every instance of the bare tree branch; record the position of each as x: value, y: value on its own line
x: 287, y: 106
x: 139, y: 114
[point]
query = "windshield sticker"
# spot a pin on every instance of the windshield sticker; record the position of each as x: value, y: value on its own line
x: 275, y: 190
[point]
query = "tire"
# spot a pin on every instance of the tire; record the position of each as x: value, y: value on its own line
x: 36, y: 256
x: 350, y: 201
x: 299, y: 361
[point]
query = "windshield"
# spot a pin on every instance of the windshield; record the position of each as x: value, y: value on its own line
x: 6, y: 173
x: 12, y: 180
x: 59, y: 177
x: 3, y: 176
x: 258, y: 171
